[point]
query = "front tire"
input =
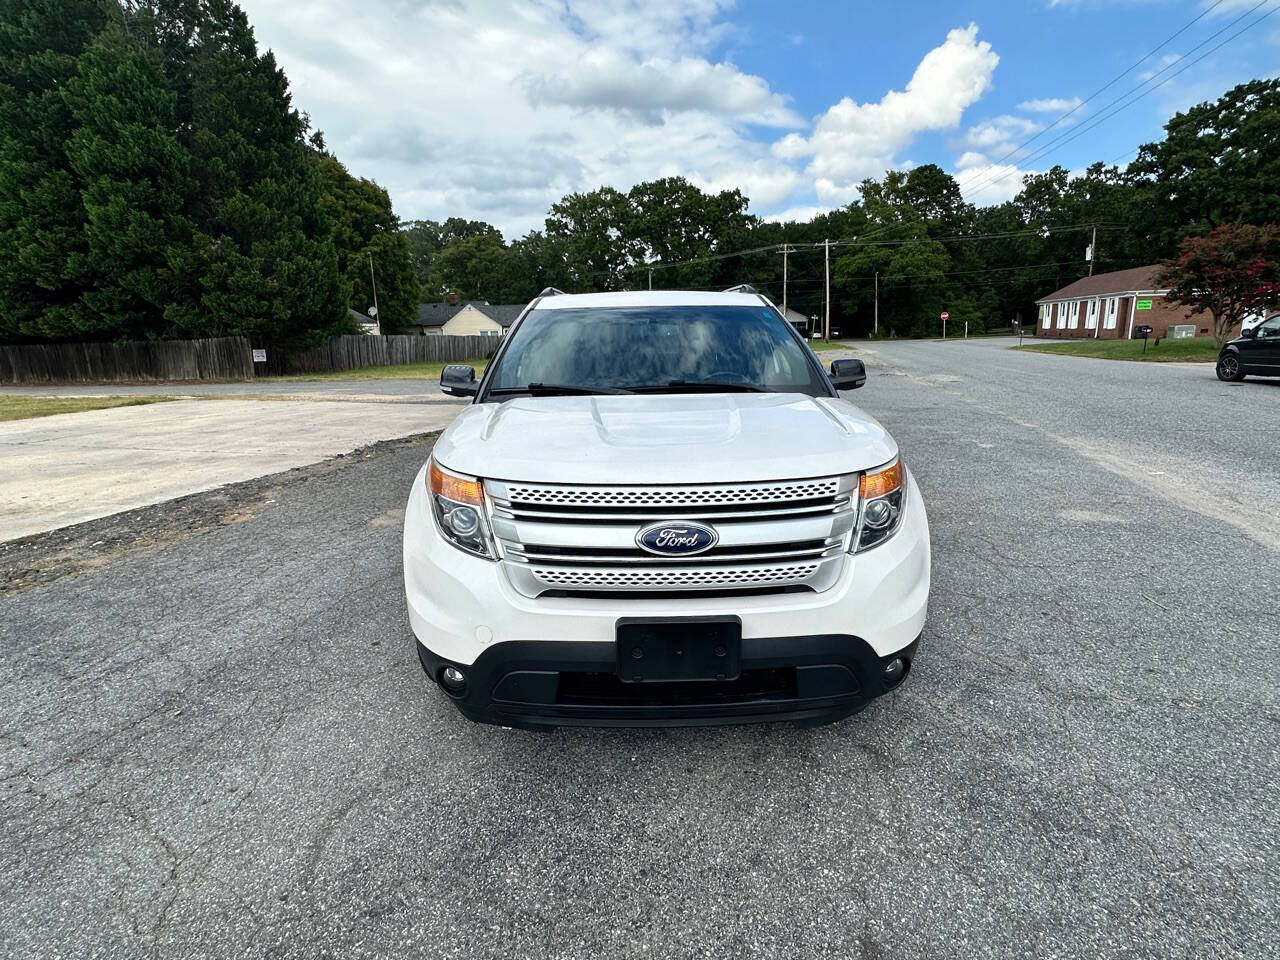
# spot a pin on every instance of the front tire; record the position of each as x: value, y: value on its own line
x: 1229, y: 369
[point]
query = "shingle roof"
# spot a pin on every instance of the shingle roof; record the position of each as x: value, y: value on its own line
x: 358, y: 317
x: 1134, y: 280
x: 503, y: 314
x: 438, y: 314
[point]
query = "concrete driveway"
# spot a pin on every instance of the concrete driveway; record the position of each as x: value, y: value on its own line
x: 221, y: 744
x: 73, y: 467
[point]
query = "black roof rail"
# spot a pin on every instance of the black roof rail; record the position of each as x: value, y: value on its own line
x: 551, y: 292
x: 742, y: 288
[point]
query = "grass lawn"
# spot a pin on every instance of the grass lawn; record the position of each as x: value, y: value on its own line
x: 1197, y: 349
x: 23, y: 407
x: 403, y: 371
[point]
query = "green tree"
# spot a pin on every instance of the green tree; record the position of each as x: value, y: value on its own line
x: 41, y: 217
x: 364, y: 226
x: 671, y: 220
x: 427, y: 237
x: 1218, y: 163
x: 537, y: 262
x: 1230, y: 273
x: 592, y: 227
x: 262, y: 262
x: 133, y: 180
x: 476, y: 268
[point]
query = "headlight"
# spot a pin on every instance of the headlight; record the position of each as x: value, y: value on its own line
x: 458, y: 505
x: 881, y: 498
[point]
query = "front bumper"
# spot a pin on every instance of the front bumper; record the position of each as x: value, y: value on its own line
x: 465, y: 612
x: 811, y: 679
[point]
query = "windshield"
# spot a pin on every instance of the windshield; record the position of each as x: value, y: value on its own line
x: 657, y: 349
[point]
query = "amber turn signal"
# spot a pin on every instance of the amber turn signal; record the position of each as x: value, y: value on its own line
x: 889, y: 479
x: 453, y: 488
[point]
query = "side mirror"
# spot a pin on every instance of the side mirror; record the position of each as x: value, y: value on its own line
x: 1250, y: 333
x: 848, y: 374
x: 459, y: 380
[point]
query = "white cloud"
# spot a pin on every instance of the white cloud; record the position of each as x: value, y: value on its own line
x: 852, y: 141
x: 495, y: 109
x: 1161, y: 68
x: 984, y: 183
x: 610, y: 79
x: 1050, y: 104
x: 1000, y: 135
x: 970, y: 158
x: 801, y: 214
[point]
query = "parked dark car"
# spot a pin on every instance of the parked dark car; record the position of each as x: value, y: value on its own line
x: 1255, y: 351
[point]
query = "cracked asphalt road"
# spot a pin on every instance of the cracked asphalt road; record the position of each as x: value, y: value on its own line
x: 221, y: 745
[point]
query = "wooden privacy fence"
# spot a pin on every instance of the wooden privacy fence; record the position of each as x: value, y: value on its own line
x: 221, y: 358
x: 356, y: 351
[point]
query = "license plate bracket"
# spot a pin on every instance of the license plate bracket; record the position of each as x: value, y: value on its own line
x: 667, y: 649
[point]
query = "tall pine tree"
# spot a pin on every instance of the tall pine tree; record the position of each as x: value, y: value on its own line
x: 261, y: 262
x: 41, y: 216
x: 134, y: 180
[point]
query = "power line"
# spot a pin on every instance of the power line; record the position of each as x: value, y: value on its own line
x: 1247, y: 27
x: 1110, y: 83
x: 854, y: 242
x: 955, y: 273
x: 1067, y: 137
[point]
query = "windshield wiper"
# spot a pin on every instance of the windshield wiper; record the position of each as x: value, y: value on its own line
x: 710, y: 386
x: 558, y: 390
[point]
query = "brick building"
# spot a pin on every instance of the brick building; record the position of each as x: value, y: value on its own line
x: 1109, y: 305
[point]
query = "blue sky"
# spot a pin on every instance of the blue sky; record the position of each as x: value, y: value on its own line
x: 493, y: 109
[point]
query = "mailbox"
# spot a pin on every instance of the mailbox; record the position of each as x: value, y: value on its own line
x: 1142, y: 331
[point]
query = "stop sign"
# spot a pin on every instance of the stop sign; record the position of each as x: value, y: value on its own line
x: 946, y: 316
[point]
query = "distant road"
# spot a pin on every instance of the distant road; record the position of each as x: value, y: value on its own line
x: 407, y: 387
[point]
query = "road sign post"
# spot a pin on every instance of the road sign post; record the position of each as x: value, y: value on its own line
x: 945, y: 317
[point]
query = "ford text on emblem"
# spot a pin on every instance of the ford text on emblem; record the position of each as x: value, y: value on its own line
x: 674, y: 539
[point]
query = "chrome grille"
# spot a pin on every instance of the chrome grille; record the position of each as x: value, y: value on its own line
x: 677, y: 497
x: 582, y: 539
x: 674, y: 579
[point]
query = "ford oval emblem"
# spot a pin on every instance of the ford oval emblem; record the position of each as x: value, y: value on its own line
x: 676, y: 538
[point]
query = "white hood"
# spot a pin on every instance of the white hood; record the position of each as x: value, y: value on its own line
x: 667, y: 438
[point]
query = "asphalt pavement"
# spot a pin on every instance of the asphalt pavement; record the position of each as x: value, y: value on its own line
x: 220, y: 744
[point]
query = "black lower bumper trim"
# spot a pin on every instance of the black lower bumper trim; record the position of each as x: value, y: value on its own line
x: 812, y: 679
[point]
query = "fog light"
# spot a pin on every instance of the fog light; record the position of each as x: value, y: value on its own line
x: 464, y: 521
x: 453, y: 679
x: 894, y: 669
x: 878, y: 514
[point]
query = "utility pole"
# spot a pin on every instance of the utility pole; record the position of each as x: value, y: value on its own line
x: 826, y: 256
x: 877, y: 303
x: 1093, y: 249
x: 785, y: 249
x: 373, y: 280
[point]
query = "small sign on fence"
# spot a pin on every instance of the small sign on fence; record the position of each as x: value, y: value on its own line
x: 259, y: 356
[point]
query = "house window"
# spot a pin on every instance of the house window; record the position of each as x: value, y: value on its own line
x: 1073, y: 316
x: 1113, y: 310
x: 1062, y: 316
x: 1091, y: 317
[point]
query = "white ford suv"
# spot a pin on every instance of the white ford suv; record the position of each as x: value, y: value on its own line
x: 658, y: 510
